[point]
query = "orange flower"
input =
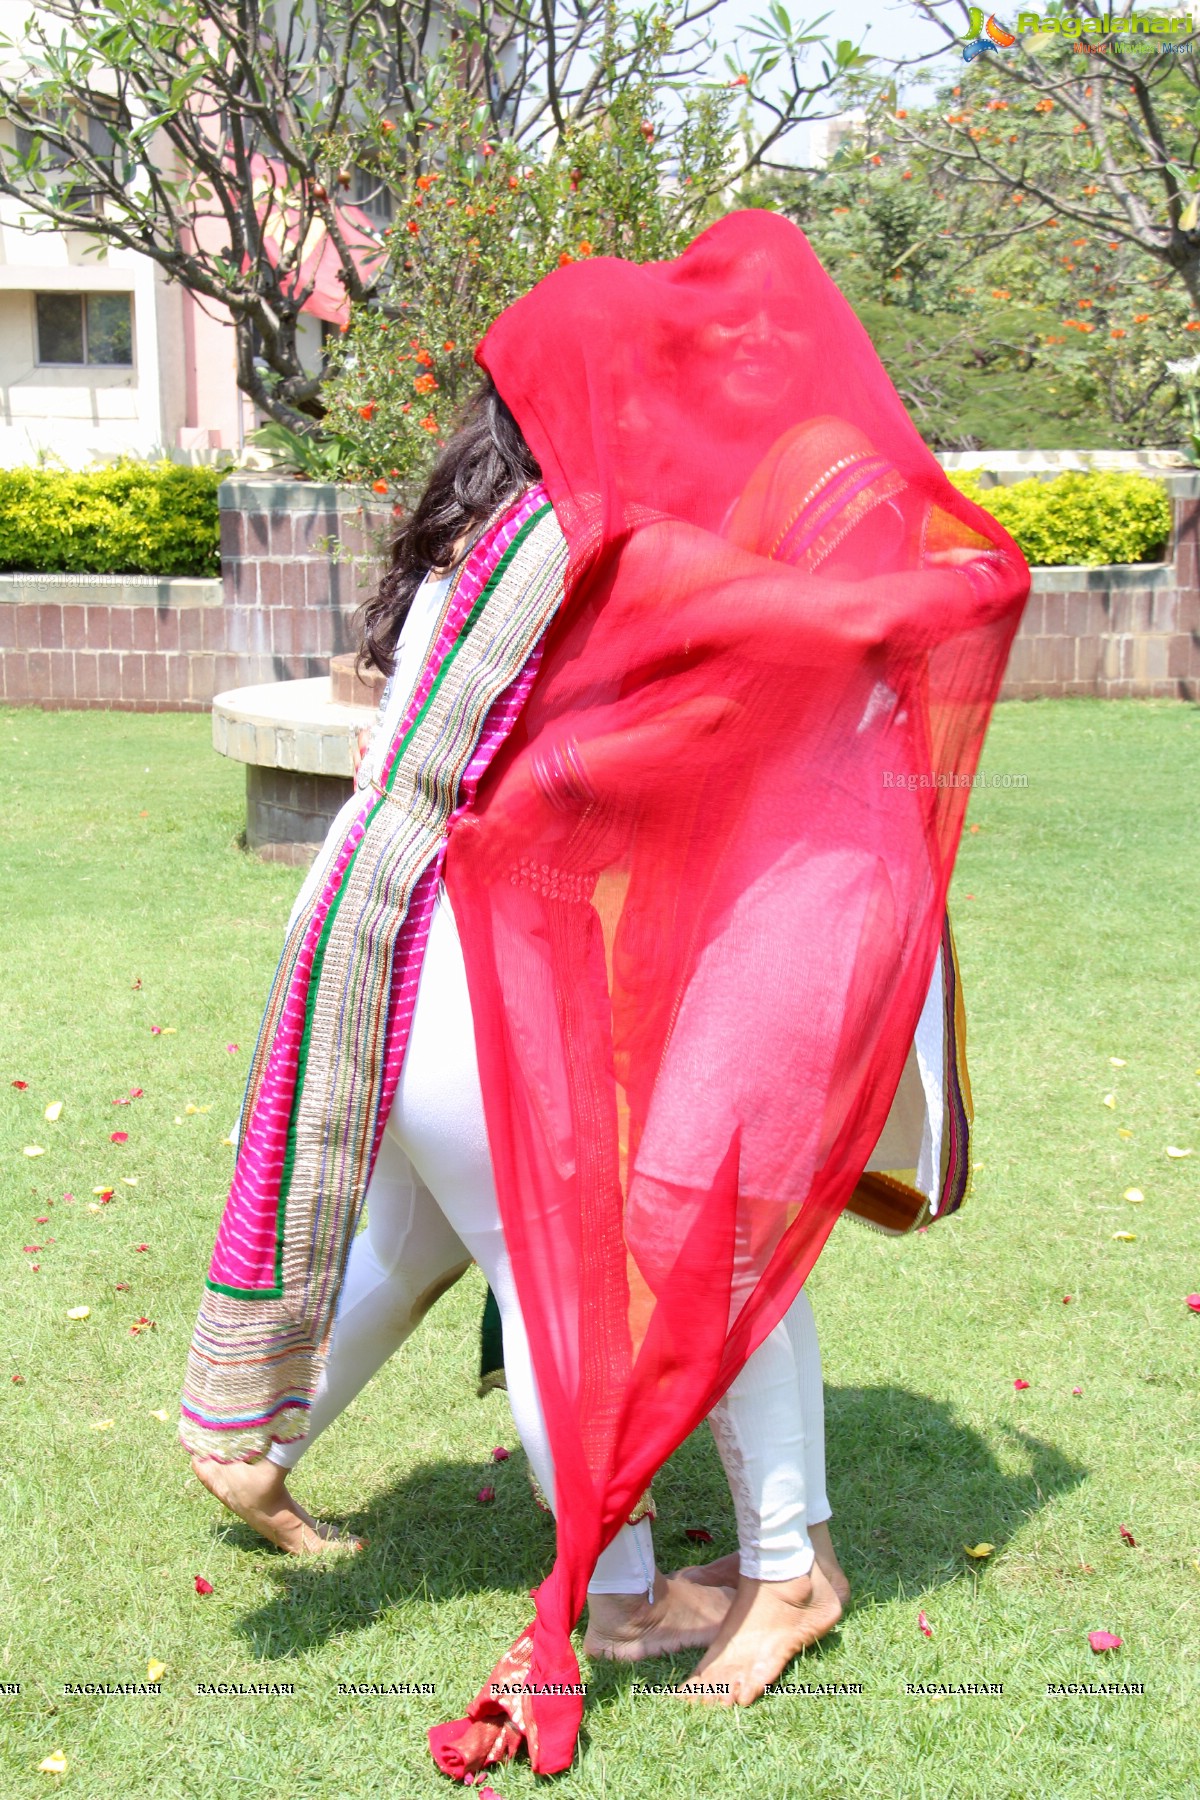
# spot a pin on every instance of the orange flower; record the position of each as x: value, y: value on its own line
x: 424, y: 182
x: 1078, y: 243
x: 514, y: 181
x: 1140, y: 318
x: 1091, y: 189
x: 907, y: 175
x: 448, y: 345
x: 413, y: 227
x: 1192, y: 325
x: 470, y: 211
x: 379, y: 487
x: 1001, y: 294
x: 841, y: 209
x: 425, y: 384
x: 877, y: 160
x: 386, y: 125
x: 451, y: 201
x: 1082, y: 303
x: 584, y: 248
x: 739, y: 81
x: 997, y: 105
x: 902, y: 114
x: 1114, y: 243
x: 424, y: 358
x: 429, y: 423
x: 1044, y: 106
x: 564, y: 257
x: 367, y: 412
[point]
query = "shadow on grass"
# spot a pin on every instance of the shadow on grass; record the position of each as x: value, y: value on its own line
x: 909, y: 1485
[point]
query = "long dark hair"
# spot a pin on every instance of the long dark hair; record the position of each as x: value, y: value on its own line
x: 485, y: 464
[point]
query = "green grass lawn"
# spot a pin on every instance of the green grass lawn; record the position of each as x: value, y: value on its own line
x: 127, y: 904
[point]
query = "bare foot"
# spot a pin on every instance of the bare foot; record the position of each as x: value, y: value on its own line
x: 768, y: 1624
x: 725, y: 1571
x: 628, y: 1627
x: 257, y: 1492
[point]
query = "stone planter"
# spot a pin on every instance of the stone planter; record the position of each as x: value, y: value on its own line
x: 298, y: 740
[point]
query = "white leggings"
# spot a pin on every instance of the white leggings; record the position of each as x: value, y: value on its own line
x: 432, y: 1210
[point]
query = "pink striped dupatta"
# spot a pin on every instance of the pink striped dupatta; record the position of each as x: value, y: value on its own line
x: 336, y: 1025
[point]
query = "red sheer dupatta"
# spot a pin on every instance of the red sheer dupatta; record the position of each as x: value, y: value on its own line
x: 701, y: 896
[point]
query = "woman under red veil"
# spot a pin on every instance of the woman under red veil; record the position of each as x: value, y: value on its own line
x: 699, y: 878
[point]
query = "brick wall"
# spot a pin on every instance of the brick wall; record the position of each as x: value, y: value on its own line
x: 283, y: 607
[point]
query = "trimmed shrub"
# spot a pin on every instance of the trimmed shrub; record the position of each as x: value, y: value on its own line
x: 1089, y: 517
x: 131, y: 518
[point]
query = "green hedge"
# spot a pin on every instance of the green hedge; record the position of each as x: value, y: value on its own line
x: 1081, y: 517
x: 131, y: 518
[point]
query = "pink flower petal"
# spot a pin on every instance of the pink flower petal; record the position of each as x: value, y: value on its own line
x: 19, y: 1380
x: 1066, y: 1299
x: 118, y: 1137
x: 232, y: 1049
x: 499, y: 1454
x: 31, y: 1249
x: 122, y: 1287
x: 923, y: 1625
x: 486, y: 1495
x: 141, y: 1246
x: 202, y: 1586
x: 1077, y: 1390
x: 122, y: 1101
x: 156, y: 1031
x: 1103, y: 1640
x: 136, y: 1093
x: 1193, y: 1302
x: 1019, y: 1384
x: 698, y: 1534
x: 20, y: 1084
x: 68, y: 1199
x: 1127, y: 1537
x: 44, y: 1220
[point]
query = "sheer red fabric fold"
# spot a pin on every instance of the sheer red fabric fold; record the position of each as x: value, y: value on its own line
x: 700, y: 897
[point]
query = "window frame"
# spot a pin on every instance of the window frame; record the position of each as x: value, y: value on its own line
x: 82, y: 295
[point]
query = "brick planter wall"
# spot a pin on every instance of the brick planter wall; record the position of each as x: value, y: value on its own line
x: 281, y: 609
x: 284, y: 607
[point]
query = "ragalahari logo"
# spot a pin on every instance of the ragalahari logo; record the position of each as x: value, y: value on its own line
x: 980, y: 36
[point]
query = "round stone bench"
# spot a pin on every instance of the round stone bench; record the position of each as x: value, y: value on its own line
x: 299, y: 741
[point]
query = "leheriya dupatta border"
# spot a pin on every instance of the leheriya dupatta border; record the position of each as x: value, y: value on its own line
x: 341, y: 1005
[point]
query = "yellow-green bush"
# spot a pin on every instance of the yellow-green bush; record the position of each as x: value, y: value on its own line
x: 131, y: 518
x: 1088, y: 517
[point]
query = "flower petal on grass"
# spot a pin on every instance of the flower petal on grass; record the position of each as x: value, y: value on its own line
x: 1134, y: 1196
x: 1110, y: 1100
x: 231, y: 1049
x: 160, y: 1412
x: 33, y: 1150
x: 486, y: 1495
x: 155, y: 1670
x: 102, y: 1424
x: 136, y: 1093
x: 191, y: 1107
x: 924, y: 1626
x: 54, y: 1111
x: 1124, y: 1237
x: 1118, y: 1062
x: 979, y: 1551
x: 1123, y: 1131
x: 54, y: 1764
x: 118, y: 1137
x: 1175, y: 1151
x: 1127, y: 1537
x: 79, y: 1312
x: 202, y: 1586
x: 20, y: 1084
x: 499, y: 1454
x: 1103, y: 1640
x: 130, y: 1180
x: 1193, y: 1303
x: 1077, y: 1391
x: 698, y: 1534
x: 1019, y: 1384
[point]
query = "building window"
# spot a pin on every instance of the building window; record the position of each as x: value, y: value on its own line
x: 85, y: 328
x: 368, y: 193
